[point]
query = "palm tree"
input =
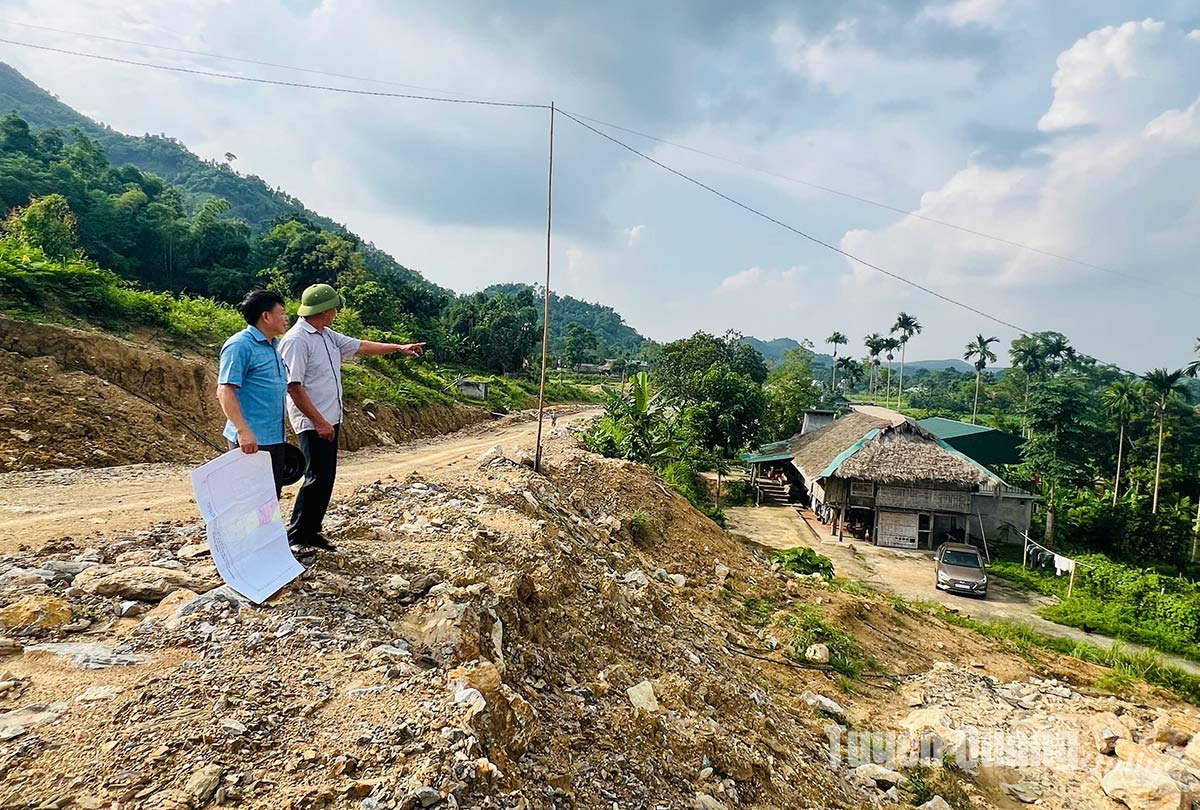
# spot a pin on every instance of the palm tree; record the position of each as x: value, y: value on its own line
x: 1057, y: 351
x: 837, y: 339
x: 907, y: 326
x: 1026, y: 354
x: 874, y: 344
x: 852, y: 373
x: 1192, y: 369
x: 1122, y: 400
x: 1166, y: 387
x: 979, y: 350
x: 889, y: 346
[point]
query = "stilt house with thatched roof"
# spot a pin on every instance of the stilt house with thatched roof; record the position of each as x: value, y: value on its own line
x: 883, y: 477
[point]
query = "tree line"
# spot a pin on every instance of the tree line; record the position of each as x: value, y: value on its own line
x: 1116, y: 456
x: 60, y: 193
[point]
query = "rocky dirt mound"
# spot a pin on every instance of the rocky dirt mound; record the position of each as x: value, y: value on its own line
x: 496, y: 638
x: 1045, y: 741
x: 486, y: 637
x: 86, y: 399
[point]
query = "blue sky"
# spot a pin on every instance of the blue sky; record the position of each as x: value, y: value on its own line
x: 1071, y: 126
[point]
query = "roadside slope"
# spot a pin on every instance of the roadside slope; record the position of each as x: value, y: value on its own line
x: 43, y: 506
x: 75, y: 398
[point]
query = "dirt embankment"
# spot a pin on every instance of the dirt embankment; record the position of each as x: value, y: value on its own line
x: 494, y: 638
x: 71, y: 398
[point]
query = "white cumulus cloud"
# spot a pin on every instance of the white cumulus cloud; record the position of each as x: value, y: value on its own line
x: 1114, y: 185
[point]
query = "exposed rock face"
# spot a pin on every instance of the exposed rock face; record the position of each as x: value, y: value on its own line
x: 82, y: 411
x: 34, y: 615
x: 147, y: 583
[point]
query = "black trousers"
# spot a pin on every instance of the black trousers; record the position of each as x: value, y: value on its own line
x: 276, y: 452
x: 313, y: 498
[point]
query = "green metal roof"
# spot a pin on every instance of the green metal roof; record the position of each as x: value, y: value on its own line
x: 773, y: 447
x: 950, y: 428
x: 756, y: 458
x: 981, y: 444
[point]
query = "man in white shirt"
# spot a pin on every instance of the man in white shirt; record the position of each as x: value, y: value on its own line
x: 314, y: 353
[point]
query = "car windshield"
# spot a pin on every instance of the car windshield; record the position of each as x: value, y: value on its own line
x: 963, y: 559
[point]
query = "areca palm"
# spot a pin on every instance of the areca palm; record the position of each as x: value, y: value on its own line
x: 1026, y: 354
x: 889, y: 345
x: 874, y: 344
x: 1166, y: 387
x: 1192, y: 369
x: 1057, y: 351
x: 852, y: 373
x: 836, y: 339
x: 1122, y: 400
x: 980, y: 350
x: 906, y: 326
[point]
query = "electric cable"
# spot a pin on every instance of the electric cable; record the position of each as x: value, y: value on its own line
x: 275, y: 82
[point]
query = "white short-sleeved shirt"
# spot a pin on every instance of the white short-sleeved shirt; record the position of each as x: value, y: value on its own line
x: 314, y: 359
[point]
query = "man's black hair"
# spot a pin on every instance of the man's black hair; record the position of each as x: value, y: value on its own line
x: 258, y: 302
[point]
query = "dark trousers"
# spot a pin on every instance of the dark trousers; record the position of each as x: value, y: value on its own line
x: 313, y: 498
x: 276, y: 453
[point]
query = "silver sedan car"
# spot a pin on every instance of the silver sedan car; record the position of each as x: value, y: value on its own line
x: 960, y: 570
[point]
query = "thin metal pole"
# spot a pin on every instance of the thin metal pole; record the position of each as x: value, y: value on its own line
x: 537, y: 458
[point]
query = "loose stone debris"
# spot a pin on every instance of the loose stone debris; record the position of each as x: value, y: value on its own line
x: 490, y: 637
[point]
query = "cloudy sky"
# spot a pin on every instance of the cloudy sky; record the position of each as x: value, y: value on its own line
x: 1072, y: 127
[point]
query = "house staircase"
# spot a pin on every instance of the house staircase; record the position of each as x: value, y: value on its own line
x: 772, y: 493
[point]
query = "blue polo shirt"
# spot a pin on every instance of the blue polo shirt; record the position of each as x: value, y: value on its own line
x: 251, y: 362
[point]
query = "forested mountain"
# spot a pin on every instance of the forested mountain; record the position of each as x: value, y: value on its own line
x: 156, y: 214
x: 250, y: 198
x: 615, y: 337
x: 771, y: 350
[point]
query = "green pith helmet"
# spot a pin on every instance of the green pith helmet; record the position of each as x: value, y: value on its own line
x: 317, y: 299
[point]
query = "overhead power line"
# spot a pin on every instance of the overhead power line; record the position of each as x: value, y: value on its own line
x: 673, y: 144
x: 529, y: 105
x: 795, y: 230
x: 857, y: 259
x: 894, y: 209
x: 275, y: 82
x: 245, y: 61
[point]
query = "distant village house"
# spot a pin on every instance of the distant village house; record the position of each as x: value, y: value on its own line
x: 882, y: 477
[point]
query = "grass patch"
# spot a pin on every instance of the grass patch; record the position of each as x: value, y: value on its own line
x: 1119, y: 601
x: 923, y: 784
x: 759, y: 610
x: 804, y: 560
x: 808, y: 627
x: 853, y: 587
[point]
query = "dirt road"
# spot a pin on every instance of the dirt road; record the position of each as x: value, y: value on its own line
x: 909, y: 574
x: 39, y: 507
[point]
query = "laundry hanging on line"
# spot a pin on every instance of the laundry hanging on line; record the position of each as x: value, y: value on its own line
x: 1063, y: 565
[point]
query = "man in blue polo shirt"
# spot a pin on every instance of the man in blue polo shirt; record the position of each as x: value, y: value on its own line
x: 252, y: 382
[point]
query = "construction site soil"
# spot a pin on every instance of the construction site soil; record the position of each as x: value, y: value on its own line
x: 75, y: 398
x: 488, y: 636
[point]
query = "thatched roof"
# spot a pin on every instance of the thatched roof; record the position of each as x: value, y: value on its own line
x: 865, y: 447
x: 908, y: 455
x: 813, y: 452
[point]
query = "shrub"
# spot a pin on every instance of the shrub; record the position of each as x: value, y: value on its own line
x: 736, y: 493
x: 804, y: 560
x: 683, y: 478
x: 639, y: 526
x: 809, y: 627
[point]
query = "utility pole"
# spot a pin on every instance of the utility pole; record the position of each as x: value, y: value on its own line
x: 537, y: 458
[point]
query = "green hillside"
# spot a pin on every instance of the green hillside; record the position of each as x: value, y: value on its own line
x: 156, y: 214
x: 616, y: 338
x: 250, y: 198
